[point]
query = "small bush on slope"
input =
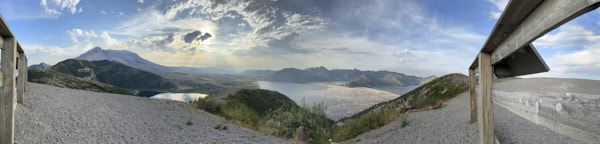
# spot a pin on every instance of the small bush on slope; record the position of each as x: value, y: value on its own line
x: 272, y: 113
x: 366, y: 123
x: 284, y: 123
x: 208, y: 104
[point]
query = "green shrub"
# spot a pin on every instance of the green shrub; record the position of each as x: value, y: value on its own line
x: 220, y: 127
x: 189, y: 122
x: 284, y: 123
x: 209, y: 104
x: 241, y: 113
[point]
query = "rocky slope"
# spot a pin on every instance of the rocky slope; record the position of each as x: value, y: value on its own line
x: 355, y: 78
x: 113, y: 73
x: 58, y: 115
x: 440, y: 89
x: 54, y: 78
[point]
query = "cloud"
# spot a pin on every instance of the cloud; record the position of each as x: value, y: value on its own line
x: 500, y: 5
x: 277, y: 47
x: 56, y: 7
x: 141, y: 1
x: 394, y: 35
x: 84, y: 40
x: 347, y: 50
x: 263, y: 23
x: 578, y: 54
x: 196, y: 35
x: 569, y: 36
x: 205, y: 37
x: 402, y: 35
x: 43, y: 53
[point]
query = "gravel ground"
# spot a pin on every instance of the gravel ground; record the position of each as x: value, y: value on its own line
x: 450, y: 123
x: 58, y: 115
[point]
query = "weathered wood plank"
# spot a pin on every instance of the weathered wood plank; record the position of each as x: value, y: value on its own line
x: 21, y: 80
x: 547, y: 16
x: 486, y: 115
x: 572, y: 114
x: 26, y: 75
x: 473, y: 95
x: 7, y: 91
x: 516, y: 11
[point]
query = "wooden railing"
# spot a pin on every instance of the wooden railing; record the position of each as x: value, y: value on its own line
x: 508, y: 52
x: 13, y: 77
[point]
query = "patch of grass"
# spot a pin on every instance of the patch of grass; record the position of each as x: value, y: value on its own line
x: 189, y: 122
x: 365, y: 123
x: 404, y: 121
x: 220, y: 127
x: 177, y: 125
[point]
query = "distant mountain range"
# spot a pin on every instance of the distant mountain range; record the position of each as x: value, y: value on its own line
x: 355, y: 78
x: 134, y: 60
x: 39, y: 66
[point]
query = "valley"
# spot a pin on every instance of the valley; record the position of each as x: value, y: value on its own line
x: 341, y: 101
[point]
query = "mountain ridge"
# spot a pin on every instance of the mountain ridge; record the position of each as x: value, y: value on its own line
x: 121, y: 56
x: 134, y: 60
x: 354, y: 77
x: 113, y: 73
x: 42, y: 65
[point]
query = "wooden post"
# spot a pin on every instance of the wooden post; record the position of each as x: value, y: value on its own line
x: 473, y: 95
x: 26, y: 74
x: 21, y: 80
x: 7, y: 91
x: 486, y: 116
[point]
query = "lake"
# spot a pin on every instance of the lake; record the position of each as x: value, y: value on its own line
x: 185, y: 97
x: 341, y: 101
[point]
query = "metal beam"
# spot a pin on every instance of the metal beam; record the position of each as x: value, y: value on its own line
x: 547, y: 16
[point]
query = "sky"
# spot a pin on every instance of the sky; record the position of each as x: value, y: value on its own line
x: 416, y: 37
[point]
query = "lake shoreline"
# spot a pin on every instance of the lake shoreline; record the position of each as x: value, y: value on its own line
x: 341, y: 101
